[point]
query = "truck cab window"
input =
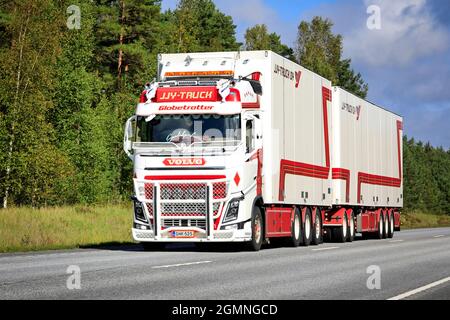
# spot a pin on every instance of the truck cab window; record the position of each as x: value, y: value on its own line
x: 249, y: 136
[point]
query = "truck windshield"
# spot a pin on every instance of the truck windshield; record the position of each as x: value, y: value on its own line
x: 190, y: 129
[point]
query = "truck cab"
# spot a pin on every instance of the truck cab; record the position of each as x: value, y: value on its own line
x: 196, y: 144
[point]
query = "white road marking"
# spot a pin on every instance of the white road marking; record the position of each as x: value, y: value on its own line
x: 418, y: 290
x: 439, y: 236
x: 323, y: 249
x: 181, y: 264
x: 395, y: 241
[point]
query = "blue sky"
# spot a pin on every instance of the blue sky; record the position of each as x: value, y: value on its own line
x: 406, y: 62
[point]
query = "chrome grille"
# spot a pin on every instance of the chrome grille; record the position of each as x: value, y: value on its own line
x: 148, y: 191
x: 150, y: 210
x: 168, y: 223
x: 216, y: 207
x: 185, y: 191
x: 182, y: 204
x: 220, y: 190
x: 183, y: 209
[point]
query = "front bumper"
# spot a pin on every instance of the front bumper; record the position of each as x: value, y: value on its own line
x: 242, y: 235
x: 191, y: 206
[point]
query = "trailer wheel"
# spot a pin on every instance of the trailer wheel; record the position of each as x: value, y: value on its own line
x: 351, y: 228
x: 391, y: 226
x: 317, y: 236
x: 307, y: 229
x: 296, y: 229
x: 340, y: 233
x: 257, y: 230
x: 386, y: 226
x: 367, y: 235
x: 327, y: 235
x: 153, y: 246
x: 380, y: 233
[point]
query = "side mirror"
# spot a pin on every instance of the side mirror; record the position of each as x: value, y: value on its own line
x: 257, y: 87
x: 128, y: 135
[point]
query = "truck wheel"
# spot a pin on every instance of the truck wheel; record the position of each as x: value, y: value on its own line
x: 340, y: 233
x: 367, y: 235
x: 257, y: 230
x: 386, y: 226
x: 327, y: 234
x: 153, y: 246
x: 351, y: 228
x: 307, y: 230
x: 317, y: 236
x: 391, y: 226
x: 296, y: 229
x: 380, y: 233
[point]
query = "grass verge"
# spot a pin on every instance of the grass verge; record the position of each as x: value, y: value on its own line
x: 26, y: 229
x: 417, y: 219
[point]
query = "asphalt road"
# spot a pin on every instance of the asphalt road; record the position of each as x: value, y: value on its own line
x: 410, y: 261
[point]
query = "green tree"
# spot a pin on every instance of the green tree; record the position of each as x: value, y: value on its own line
x: 127, y: 33
x: 426, y: 177
x: 351, y: 81
x: 197, y: 25
x: 258, y: 38
x: 30, y: 166
x: 82, y: 116
x: 319, y: 50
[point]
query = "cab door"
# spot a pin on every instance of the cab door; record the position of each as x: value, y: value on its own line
x: 253, y: 152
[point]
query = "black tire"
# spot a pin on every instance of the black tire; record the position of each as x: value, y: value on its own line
x: 296, y: 229
x: 391, y: 226
x: 153, y: 246
x: 257, y: 230
x: 317, y: 232
x: 327, y: 235
x: 379, y: 234
x: 351, y: 229
x: 367, y: 235
x: 306, y: 229
x: 386, y: 226
x: 340, y: 233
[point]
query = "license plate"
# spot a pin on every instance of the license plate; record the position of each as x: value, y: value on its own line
x: 183, y: 234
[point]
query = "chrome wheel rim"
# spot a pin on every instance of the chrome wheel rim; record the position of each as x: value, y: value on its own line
x: 296, y: 227
x: 317, y: 228
x: 352, y: 227
x: 307, y: 227
x: 386, y: 225
x: 344, y: 227
x: 257, y: 229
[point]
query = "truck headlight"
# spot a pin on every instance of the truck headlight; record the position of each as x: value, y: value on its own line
x: 141, y: 191
x: 232, y: 211
x: 139, y: 212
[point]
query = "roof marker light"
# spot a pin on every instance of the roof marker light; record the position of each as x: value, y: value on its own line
x: 256, y: 76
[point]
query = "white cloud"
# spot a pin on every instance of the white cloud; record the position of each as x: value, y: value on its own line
x: 408, y: 32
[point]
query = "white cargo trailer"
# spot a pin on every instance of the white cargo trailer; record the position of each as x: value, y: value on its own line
x: 249, y: 147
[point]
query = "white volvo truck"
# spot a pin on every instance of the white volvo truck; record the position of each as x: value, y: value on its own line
x: 251, y: 147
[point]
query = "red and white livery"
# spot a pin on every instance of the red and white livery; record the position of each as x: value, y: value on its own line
x: 251, y: 147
